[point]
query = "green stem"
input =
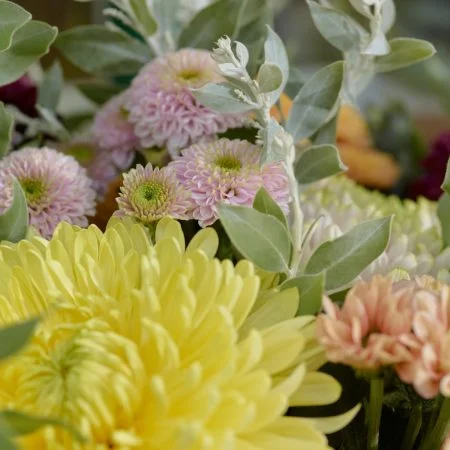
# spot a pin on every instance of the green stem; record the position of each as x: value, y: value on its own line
x: 435, y: 438
x: 374, y: 412
x: 413, y: 428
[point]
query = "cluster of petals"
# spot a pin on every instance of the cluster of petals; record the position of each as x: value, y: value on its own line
x: 162, y: 109
x: 228, y: 171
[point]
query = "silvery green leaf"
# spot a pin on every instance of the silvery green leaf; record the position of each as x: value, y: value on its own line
x: 50, y: 89
x: 269, y: 78
x: 389, y: 14
x: 265, y: 204
x: 98, y: 91
x: 316, y: 102
x: 242, y: 53
x: 339, y: 29
x: 327, y: 133
x: 52, y: 123
x: 444, y: 217
x: 275, y: 53
x: 317, y: 163
x: 261, y: 238
x: 144, y: 16
x: 272, y: 152
x: 297, y: 79
x: 14, y: 337
x: 14, y: 221
x: 29, y: 43
x: 6, y: 129
x: 404, y: 52
x: 12, y: 17
x: 378, y: 45
x: 446, y: 184
x: 221, y: 98
x: 311, y: 290
x: 346, y: 257
x: 99, y: 50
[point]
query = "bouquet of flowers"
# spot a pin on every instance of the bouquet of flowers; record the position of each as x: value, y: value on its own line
x: 191, y: 268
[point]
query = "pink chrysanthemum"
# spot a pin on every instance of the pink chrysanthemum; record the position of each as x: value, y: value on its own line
x: 366, y: 333
x: 429, y: 369
x: 446, y: 444
x: 55, y: 185
x: 113, y: 134
x: 149, y: 194
x: 163, y: 110
x: 225, y: 171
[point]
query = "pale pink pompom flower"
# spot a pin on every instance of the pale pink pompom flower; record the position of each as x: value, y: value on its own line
x: 56, y: 187
x: 149, y: 194
x: 366, y: 333
x: 163, y: 110
x: 113, y: 134
x: 446, y: 444
x: 228, y: 171
x: 429, y: 369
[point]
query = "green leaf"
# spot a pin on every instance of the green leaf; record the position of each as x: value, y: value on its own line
x: 327, y: 133
x: 20, y: 424
x: 316, y: 102
x: 345, y: 258
x: 12, y: 17
x: 6, y: 129
x: 271, y: 152
x: 30, y: 42
x: 144, y: 17
x: 97, y: 91
x: 211, y: 23
x: 265, y: 204
x: 317, y: 163
x: 14, y: 221
x: 5, y: 443
x: 220, y: 98
x: 99, y: 50
x: 261, y: 238
x: 275, y: 53
x: 404, y: 52
x: 270, y: 78
x: 50, y: 89
x: 446, y: 184
x: 15, y: 337
x: 444, y: 217
x: 339, y: 29
x: 311, y: 289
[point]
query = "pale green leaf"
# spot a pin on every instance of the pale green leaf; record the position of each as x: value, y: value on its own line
x: 316, y: 102
x: 317, y: 163
x: 446, y: 184
x: 99, y: 50
x: 404, y: 52
x: 270, y: 78
x: 265, y: 204
x: 270, y: 151
x: 6, y: 129
x: 261, y: 238
x: 30, y: 42
x: 144, y: 16
x: 346, y: 257
x: 12, y: 17
x: 220, y: 98
x: 52, y: 124
x: 5, y: 443
x: 97, y: 91
x: 13, y: 338
x: 50, y: 89
x: 275, y: 53
x: 327, y: 133
x: 444, y: 217
x: 339, y: 29
x: 14, y: 221
x: 311, y: 290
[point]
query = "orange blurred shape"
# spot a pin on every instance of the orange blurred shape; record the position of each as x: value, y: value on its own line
x: 106, y: 208
x: 366, y: 165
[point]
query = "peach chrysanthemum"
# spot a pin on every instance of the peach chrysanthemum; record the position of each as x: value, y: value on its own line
x: 155, y: 347
x: 366, y: 333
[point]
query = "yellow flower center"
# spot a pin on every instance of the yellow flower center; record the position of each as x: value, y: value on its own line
x: 151, y: 194
x: 33, y: 189
x: 229, y: 162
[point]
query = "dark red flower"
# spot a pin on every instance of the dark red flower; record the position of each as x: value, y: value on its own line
x: 22, y: 93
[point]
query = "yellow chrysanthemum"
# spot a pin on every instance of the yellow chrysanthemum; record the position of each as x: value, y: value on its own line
x: 158, y: 347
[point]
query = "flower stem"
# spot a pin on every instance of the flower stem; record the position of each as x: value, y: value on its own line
x: 374, y: 411
x: 436, y: 436
x: 413, y: 428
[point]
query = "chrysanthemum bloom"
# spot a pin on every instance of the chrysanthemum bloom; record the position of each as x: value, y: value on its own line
x: 446, y: 444
x: 113, y: 134
x: 149, y: 194
x: 157, y: 347
x: 55, y: 185
x: 163, y: 110
x: 225, y: 171
x: 429, y: 369
x: 366, y: 333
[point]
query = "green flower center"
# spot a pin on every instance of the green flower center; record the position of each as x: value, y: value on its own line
x: 190, y: 75
x: 150, y: 194
x: 229, y: 162
x: 33, y: 189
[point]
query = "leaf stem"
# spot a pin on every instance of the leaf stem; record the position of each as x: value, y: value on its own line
x: 374, y: 411
x: 435, y: 437
x: 413, y: 427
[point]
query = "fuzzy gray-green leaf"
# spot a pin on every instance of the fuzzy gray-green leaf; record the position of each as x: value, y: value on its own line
x: 265, y: 204
x: 6, y: 129
x: 270, y: 78
x: 14, y: 221
x: 144, y: 16
x: 444, y: 217
x: 12, y: 17
x: 50, y: 89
